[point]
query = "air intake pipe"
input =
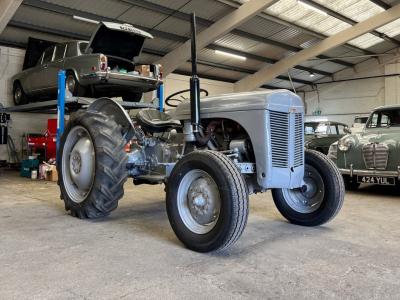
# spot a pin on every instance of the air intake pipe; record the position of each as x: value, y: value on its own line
x: 201, y: 140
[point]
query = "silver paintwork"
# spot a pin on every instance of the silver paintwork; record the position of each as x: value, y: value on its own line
x: 199, y: 201
x: 78, y: 164
x: 308, y: 198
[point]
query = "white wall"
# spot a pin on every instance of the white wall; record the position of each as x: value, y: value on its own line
x: 11, y: 61
x: 341, y: 101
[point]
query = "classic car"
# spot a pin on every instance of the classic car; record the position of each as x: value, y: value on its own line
x: 320, y: 135
x: 102, y: 67
x: 358, y: 124
x: 373, y: 155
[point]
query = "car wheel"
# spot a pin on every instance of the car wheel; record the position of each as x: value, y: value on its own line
x: 73, y: 85
x: 19, y: 95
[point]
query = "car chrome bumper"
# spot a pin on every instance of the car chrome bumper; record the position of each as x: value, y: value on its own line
x: 382, y: 173
x: 122, y: 79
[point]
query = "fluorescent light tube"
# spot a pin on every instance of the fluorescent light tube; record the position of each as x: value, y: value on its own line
x: 85, y: 19
x: 306, y: 5
x: 230, y: 55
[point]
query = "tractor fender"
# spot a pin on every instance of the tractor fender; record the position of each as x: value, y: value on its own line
x: 113, y: 109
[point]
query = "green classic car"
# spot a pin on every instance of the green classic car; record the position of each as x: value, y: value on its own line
x: 320, y: 135
x: 373, y: 155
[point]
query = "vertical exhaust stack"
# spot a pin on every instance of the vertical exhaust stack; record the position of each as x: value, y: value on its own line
x: 194, y: 81
x: 202, y: 138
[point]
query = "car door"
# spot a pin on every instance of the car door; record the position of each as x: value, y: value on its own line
x: 43, y: 72
x: 56, y: 64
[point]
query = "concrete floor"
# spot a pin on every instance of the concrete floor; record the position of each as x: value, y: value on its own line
x: 46, y: 254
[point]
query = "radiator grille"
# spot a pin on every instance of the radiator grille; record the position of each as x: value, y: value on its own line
x: 279, y: 124
x: 375, y: 156
x: 298, y: 140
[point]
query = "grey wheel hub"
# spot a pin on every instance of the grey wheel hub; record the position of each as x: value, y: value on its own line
x: 310, y: 196
x: 71, y: 83
x: 18, y: 95
x: 78, y: 164
x: 199, y: 201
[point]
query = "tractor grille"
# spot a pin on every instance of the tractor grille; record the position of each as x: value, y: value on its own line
x: 375, y: 156
x: 298, y: 140
x: 279, y: 124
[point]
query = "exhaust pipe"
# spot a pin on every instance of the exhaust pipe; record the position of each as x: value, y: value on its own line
x: 195, y: 89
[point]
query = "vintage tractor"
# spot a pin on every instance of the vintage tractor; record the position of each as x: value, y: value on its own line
x: 211, y: 155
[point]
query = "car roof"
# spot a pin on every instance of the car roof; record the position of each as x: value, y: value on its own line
x: 384, y: 107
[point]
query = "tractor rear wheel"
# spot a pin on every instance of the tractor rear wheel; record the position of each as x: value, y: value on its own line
x: 321, y: 197
x: 91, y: 165
x: 207, y: 201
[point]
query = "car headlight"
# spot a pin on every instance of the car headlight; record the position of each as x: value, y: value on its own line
x: 346, y: 143
x: 332, y: 153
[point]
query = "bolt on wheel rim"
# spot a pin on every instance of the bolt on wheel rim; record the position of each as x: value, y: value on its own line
x: 199, y: 201
x: 310, y: 196
x: 78, y: 164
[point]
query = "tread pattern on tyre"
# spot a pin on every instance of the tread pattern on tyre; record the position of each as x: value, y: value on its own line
x: 111, y: 159
x: 326, y: 215
x: 238, y: 196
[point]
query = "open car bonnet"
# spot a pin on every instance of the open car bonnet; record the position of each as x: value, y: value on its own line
x: 115, y: 39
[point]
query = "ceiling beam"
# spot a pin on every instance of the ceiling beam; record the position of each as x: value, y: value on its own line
x: 266, y: 74
x: 349, y: 21
x: 305, y: 30
x: 7, y: 11
x: 73, y: 35
x: 241, y: 33
x: 179, y: 55
x: 161, y: 34
x: 382, y: 4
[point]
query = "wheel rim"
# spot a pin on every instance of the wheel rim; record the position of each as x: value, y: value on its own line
x: 199, y: 201
x: 17, y: 95
x: 78, y: 164
x: 71, y: 83
x: 310, y: 196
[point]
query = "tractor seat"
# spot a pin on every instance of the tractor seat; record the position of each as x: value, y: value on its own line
x: 156, y: 121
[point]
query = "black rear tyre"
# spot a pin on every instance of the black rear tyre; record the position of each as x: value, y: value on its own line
x: 19, y: 95
x: 73, y: 85
x: 91, y: 165
x: 319, y: 200
x: 207, y: 201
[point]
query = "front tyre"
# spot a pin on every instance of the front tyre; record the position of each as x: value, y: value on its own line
x: 320, y: 198
x: 207, y: 201
x: 91, y: 165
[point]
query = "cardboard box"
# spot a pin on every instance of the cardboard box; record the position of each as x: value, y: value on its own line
x: 144, y: 70
x: 51, y: 173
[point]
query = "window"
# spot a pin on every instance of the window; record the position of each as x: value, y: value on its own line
x: 48, y: 55
x: 321, y: 129
x: 341, y: 129
x: 387, y: 118
x: 71, y: 50
x: 60, y: 51
x: 374, y: 121
x: 82, y: 47
x: 332, y: 129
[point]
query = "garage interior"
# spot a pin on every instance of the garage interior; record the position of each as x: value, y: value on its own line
x: 342, y: 60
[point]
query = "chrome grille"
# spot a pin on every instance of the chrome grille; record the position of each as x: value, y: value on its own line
x: 279, y: 124
x: 298, y: 140
x: 375, y: 156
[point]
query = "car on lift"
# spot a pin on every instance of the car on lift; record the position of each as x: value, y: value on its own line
x: 373, y: 155
x: 319, y: 135
x: 103, y: 67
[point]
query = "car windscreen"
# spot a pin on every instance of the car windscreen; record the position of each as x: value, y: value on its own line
x: 385, y: 118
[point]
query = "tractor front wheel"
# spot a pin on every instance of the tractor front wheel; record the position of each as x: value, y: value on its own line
x: 207, y: 201
x: 91, y: 165
x: 319, y: 199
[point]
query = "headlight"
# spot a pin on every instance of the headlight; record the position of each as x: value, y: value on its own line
x: 332, y: 153
x: 346, y: 143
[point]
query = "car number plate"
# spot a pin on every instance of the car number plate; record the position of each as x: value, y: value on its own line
x: 376, y: 180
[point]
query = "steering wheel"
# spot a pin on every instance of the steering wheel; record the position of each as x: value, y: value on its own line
x: 173, y: 97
